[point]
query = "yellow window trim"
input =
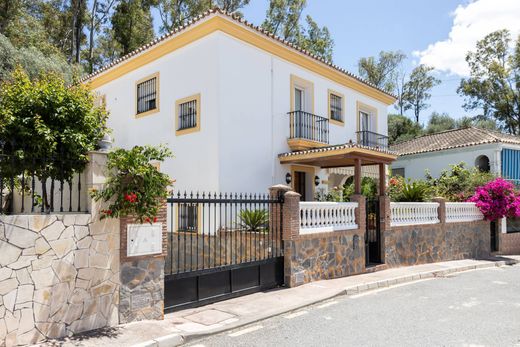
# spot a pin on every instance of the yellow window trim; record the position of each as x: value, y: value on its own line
x: 218, y: 23
x: 311, y: 170
x: 307, y: 85
x: 361, y: 107
x: 199, y: 219
x: 157, y: 95
x: 333, y: 121
x: 196, y: 128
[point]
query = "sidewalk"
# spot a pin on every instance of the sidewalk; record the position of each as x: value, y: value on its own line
x: 187, y: 325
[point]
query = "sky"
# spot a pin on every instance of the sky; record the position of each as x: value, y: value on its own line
x: 434, y: 32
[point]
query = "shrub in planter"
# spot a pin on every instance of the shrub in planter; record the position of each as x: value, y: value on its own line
x: 497, y: 199
x: 254, y: 220
x: 134, y: 186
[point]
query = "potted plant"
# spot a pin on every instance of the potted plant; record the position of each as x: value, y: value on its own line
x: 134, y: 187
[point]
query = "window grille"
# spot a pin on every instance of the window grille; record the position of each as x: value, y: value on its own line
x: 188, y: 115
x: 336, y: 109
x: 147, y: 95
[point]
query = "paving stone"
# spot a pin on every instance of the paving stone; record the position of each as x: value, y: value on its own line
x: 68, y: 219
x: 40, y: 221
x: 31, y: 337
x: 20, y: 237
x: 82, y: 219
x: 43, y: 296
x: 2, y: 232
x: 73, y: 313
x: 80, y: 231
x: 41, y: 246
x: 25, y: 293
x: 53, y: 231
x: 59, y: 296
x: 3, y: 329
x: 8, y: 253
x: 26, y: 321
x: 62, y: 247
x: 209, y: 317
x: 8, y: 285
x: 41, y: 312
x: 23, y: 261
x: 81, y: 257
x: 10, y: 339
x: 42, y: 263
x: 67, y: 233
x: 21, y: 221
x: 79, y: 295
x: 102, y: 289
x: 84, y: 243
x: 5, y: 273
x: 65, y: 271
x: 10, y: 300
x: 99, y: 261
x: 12, y: 320
x: 23, y: 276
x: 43, y: 278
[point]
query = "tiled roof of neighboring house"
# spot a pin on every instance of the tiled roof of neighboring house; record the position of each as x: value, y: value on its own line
x: 451, y: 139
x: 335, y: 147
x: 238, y: 20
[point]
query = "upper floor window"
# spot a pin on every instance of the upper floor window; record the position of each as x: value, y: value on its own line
x: 147, y: 95
x: 336, y: 107
x: 367, y: 118
x: 188, y: 114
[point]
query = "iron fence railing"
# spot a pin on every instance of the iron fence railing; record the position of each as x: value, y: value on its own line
x: 40, y: 185
x: 214, y: 231
x: 372, y: 139
x: 308, y: 126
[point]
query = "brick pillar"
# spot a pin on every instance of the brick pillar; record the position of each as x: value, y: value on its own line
x: 290, y: 228
x: 384, y: 222
x: 361, y: 220
x: 142, y: 277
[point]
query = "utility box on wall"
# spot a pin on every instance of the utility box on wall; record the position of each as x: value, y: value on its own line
x: 144, y: 239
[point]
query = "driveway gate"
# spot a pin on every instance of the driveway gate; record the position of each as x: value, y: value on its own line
x: 222, y: 246
x: 373, y: 232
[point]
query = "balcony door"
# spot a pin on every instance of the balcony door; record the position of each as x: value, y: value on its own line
x: 299, y: 99
x: 366, y: 122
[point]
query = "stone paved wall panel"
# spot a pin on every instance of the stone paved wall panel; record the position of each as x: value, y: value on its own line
x: 59, y: 275
x: 509, y: 243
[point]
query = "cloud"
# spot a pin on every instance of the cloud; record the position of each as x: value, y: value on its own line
x: 471, y: 22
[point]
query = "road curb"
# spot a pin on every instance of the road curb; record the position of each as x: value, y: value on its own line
x: 174, y: 340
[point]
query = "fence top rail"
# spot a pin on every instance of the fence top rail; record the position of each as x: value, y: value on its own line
x: 327, y: 203
x: 398, y: 204
x: 461, y: 204
x: 222, y: 198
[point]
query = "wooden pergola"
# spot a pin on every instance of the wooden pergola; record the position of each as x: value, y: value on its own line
x: 346, y: 155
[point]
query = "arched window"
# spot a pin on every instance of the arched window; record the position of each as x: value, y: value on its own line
x: 482, y: 163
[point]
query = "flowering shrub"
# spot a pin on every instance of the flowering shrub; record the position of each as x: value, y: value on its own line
x: 134, y: 186
x: 497, y: 199
x: 401, y: 190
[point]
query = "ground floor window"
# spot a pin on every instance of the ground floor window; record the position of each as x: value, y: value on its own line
x: 513, y: 225
x: 187, y: 217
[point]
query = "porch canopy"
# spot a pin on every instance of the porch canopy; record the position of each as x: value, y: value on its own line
x: 346, y: 155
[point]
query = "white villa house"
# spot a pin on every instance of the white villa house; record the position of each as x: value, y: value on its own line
x: 485, y: 149
x: 243, y: 110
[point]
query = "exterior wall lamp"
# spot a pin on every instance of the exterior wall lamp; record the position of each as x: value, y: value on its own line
x: 288, y: 178
x: 316, y: 181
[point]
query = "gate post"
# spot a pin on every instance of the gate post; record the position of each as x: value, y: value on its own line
x: 361, y: 221
x: 384, y: 222
x: 142, y: 278
x: 290, y: 227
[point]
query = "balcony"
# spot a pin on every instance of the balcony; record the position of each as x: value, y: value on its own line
x: 307, y: 130
x: 372, y: 139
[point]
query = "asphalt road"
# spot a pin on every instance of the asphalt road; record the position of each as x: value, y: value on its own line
x: 475, y: 308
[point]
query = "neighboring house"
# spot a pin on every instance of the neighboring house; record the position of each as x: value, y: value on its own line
x: 235, y: 103
x: 485, y: 149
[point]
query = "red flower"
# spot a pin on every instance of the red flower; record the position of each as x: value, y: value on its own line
x: 155, y: 219
x: 132, y: 197
x: 147, y: 220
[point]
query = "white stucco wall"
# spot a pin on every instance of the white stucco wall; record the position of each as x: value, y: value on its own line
x: 415, y: 165
x: 245, y: 97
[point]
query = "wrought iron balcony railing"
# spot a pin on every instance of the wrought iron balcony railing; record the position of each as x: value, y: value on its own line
x: 308, y: 126
x: 372, y: 139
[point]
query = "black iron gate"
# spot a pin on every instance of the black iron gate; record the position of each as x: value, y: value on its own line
x: 494, y: 236
x: 222, y: 246
x: 373, y: 232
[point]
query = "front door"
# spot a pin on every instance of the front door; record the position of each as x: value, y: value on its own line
x: 300, y: 184
x: 373, y: 233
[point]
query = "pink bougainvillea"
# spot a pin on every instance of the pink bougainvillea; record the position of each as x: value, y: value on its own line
x: 497, y: 199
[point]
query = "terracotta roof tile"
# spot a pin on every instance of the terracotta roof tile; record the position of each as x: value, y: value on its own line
x: 335, y: 147
x: 451, y: 139
x: 240, y: 21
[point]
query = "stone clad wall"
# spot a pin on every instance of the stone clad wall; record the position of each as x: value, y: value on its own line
x: 324, y: 256
x: 509, y: 243
x: 59, y: 275
x: 429, y: 243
